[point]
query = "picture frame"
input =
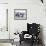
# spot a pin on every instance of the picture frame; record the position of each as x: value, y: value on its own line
x: 20, y: 14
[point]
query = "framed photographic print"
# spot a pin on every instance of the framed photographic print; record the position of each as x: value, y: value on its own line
x: 20, y: 14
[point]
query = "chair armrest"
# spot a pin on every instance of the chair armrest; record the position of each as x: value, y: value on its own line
x: 24, y: 32
x: 22, y: 35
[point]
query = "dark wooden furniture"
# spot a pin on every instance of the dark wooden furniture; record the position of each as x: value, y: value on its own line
x: 32, y: 29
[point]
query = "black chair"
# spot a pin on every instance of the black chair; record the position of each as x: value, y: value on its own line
x: 33, y: 30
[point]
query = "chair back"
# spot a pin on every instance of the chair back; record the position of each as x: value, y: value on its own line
x: 33, y: 28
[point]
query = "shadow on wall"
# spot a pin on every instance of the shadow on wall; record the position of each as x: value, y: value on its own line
x: 41, y: 34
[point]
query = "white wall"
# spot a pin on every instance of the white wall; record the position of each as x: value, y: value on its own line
x: 3, y: 21
x: 3, y: 1
x: 3, y: 34
x: 35, y: 13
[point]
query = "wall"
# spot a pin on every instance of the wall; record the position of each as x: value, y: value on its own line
x: 3, y: 34
x: 3, y: 1
x: 3, y: 21
x: 35, y: 13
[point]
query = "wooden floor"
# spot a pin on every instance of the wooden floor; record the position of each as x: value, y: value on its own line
x: 27, y: 44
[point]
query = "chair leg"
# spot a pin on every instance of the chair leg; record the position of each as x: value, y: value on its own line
x: 32, y: 42
x: 20, y: 42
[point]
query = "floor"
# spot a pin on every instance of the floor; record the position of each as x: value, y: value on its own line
x: 5, y: 44
x: 26, y: 44
x: 23, y: 44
